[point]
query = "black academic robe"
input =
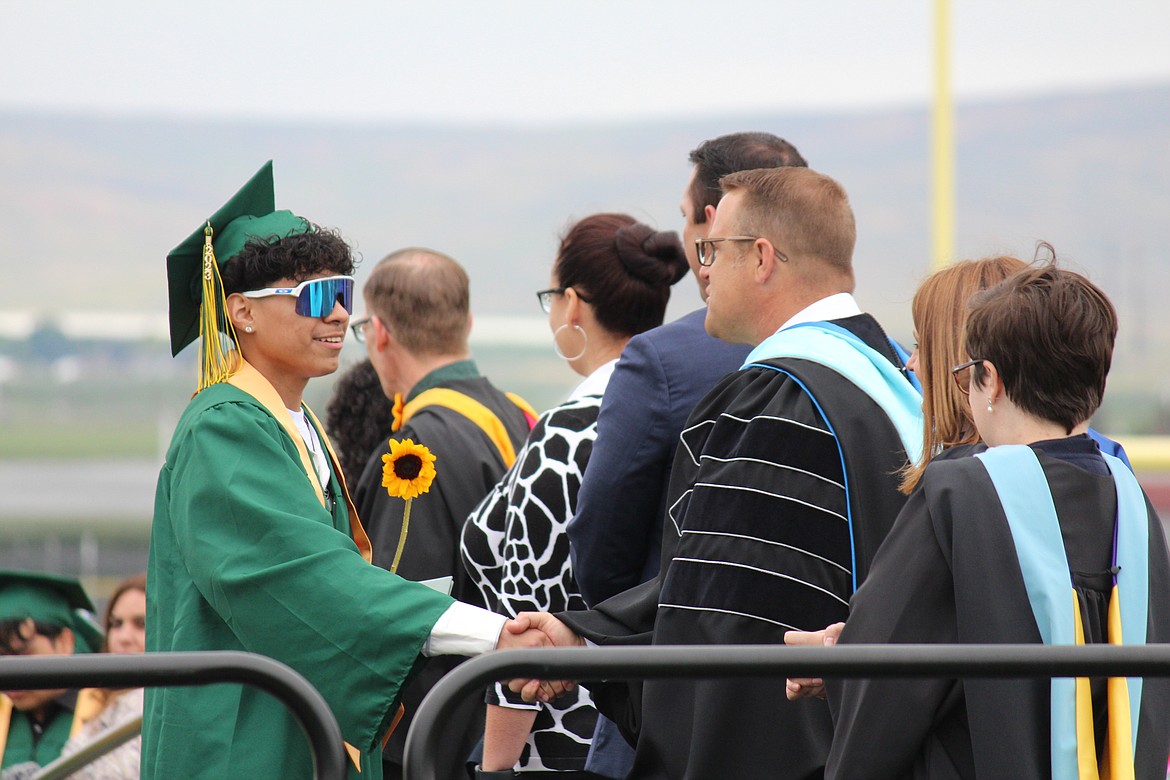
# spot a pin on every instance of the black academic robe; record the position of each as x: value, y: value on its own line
x: 468, y: 465
x: 756, y: 542
x: 948, y: 573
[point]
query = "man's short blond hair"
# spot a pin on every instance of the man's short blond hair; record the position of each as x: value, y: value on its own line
x: 805, y: 214
x: 423, y: 298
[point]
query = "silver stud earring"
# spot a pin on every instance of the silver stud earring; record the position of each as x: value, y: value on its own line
x: 990, y: 408
x: 248, y: 329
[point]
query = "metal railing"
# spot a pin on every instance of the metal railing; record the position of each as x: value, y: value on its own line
x: 106, y: 742
x: 425, y: 758
x: 175, y: 670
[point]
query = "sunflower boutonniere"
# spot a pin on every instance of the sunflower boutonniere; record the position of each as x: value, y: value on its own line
x: 407, y: 472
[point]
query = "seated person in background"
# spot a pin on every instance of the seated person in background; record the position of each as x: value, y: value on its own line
x: 358, y: 418
x: 105, y: 709
x: 611, y: 280
x: 988, y: 550
x: 40, y: 614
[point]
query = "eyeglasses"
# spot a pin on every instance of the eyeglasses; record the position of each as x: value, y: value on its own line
x: 545, y: 297
x: 315, y: 297
x: 705, y: 248
x: 962, y: 374
x: 359, y: 328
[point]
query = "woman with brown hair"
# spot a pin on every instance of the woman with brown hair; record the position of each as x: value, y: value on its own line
x: 102, y: 709
x: 939, y: 310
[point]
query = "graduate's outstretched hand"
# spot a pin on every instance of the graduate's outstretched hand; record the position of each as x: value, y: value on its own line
x: 555, y: 633
x: 519, y: 633
x: 803, y: 687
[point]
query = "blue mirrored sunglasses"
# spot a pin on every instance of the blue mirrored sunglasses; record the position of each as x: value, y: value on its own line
x: 315, y: 297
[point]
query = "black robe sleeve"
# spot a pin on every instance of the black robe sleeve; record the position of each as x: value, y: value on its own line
x: 881, y: 724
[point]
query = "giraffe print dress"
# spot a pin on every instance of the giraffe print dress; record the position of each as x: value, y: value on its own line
x: 516, y: 549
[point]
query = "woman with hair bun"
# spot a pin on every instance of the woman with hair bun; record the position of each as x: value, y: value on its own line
x: 611, y: 280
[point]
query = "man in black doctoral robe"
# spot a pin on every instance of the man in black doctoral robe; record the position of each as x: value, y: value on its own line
x: 783, y: 486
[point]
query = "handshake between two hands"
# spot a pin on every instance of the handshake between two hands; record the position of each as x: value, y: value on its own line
x: 538, y: 629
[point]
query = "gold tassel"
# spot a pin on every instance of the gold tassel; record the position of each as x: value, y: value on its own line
x: 217, y: 363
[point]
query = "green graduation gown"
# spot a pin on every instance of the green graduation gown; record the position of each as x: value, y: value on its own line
x: 18, y: 744
x: 245, y: 556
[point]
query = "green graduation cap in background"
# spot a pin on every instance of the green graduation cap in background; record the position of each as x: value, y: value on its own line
x: 197, y: 306
x: 49, y: 598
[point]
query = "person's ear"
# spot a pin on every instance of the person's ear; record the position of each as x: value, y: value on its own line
x: 239, y: 310
x: 709, y: 214
x: 765, y: 260
x: 572, y: 307
x: 381, y: 333
x: 65, y: 642
x: 992, y: 384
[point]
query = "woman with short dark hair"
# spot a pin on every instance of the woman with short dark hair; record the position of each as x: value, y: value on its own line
x: 989, y: 549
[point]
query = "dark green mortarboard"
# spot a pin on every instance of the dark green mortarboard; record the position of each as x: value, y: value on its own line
x: 48, y: 598
x: 251, y: 212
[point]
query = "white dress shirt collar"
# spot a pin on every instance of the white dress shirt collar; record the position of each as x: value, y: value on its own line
x: 835, y: 307
x: 595, y: 383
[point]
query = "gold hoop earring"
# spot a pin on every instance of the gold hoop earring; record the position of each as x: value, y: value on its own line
x: 557, y: 343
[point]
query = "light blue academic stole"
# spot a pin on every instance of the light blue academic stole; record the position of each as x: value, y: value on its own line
x: 842, y: 351
x: 1027, y: 503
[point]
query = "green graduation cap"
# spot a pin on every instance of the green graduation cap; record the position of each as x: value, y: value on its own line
x: 194, y: 287
x: 49, y: 598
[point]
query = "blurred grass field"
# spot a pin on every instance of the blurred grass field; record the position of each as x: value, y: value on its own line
x: 128, y: 408
x: 34, y: 439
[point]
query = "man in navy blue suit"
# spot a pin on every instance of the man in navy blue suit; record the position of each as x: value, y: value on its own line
x: 616, y: 535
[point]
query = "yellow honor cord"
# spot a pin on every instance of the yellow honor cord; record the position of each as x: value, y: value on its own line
x: 1086, y: 738
x: 1119, y: 746
x: 1118, y: 761
x: 217, y: 363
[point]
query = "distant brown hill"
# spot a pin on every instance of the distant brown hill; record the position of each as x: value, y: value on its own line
x: 89, y: 205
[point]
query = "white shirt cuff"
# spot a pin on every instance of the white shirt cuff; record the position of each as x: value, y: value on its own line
x: 464, y: 630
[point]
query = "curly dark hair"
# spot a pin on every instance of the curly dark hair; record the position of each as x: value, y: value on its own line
x: 14, y: 636
x: 264, y: 260
x: 358, y: 418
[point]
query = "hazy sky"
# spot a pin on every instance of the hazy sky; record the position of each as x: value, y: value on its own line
x: 542, y: 61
